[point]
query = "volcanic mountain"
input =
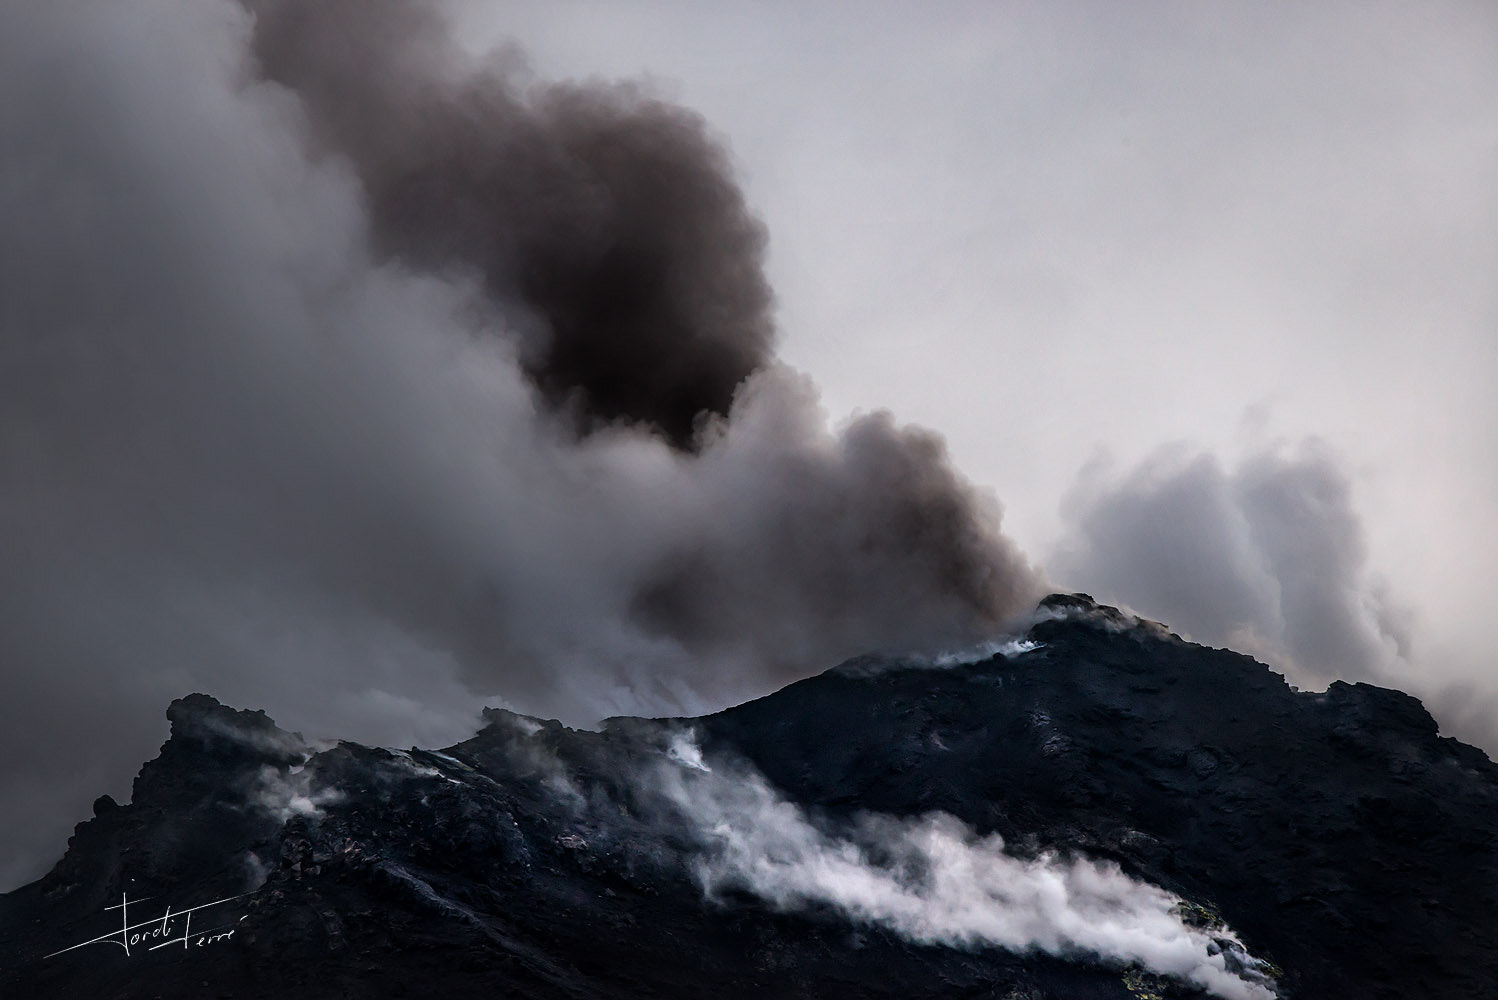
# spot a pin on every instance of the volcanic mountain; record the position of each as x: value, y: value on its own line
x: 1091, y: 808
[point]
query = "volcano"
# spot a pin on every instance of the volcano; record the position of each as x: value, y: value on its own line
x: 1089, y: 808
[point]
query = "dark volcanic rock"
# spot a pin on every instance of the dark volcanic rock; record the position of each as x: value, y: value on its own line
x: 1336, y: 832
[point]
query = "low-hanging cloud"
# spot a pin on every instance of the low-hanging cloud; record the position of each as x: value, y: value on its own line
x: 933, y: 880
x: 345, y: 376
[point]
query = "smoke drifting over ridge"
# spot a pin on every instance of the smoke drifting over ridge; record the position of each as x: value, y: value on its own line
x: 342, y: 376
x: 1267, y: 557
x: 605, y: 226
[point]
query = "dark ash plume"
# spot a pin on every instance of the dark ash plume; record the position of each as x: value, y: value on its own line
x: 260, y: 436
x: 614, y: 217
x: 875, y: 526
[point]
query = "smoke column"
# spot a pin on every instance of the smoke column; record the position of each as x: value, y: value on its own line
x: 609, y: 215
x: 346, y: 376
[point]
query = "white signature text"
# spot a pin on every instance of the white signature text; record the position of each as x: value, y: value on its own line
x: 173, y: 927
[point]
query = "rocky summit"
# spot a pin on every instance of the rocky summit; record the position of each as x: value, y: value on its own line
x: 1091, y: 808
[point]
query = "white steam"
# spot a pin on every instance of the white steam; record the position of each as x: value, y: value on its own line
x: 291, y: 793
x: 684, y: 751
x: 933, y: 880
x: 1008, y: 647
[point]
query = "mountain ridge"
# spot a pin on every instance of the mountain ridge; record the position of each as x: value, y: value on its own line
x: 1325, y: 844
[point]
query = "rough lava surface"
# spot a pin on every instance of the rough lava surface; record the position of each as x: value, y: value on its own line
x: 1336, y: 837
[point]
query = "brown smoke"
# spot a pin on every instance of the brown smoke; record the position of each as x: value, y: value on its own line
x: 351, y: 377
x: 612, y: 216
x: 613, y: 221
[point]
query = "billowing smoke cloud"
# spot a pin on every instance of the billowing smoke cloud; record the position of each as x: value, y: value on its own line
x: 1267, y: 557
x: 343, y: 376
x: 935, y: 881
x: 612, y: 215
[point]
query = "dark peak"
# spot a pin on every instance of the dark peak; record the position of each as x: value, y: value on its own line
x: 202, y: 720
x: 1068, y: 602
x: 1382, y: 708
x: 507, y: 720
x: 1085, y: 608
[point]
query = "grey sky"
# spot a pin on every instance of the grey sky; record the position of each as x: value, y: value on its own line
x: 245, y: 453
